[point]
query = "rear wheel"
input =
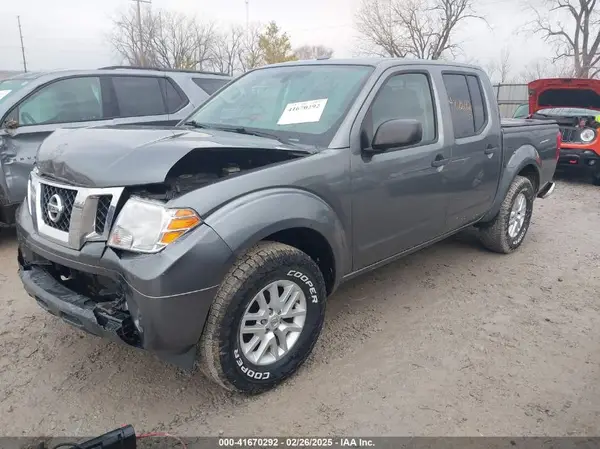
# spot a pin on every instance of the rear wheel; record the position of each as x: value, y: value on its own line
x: 506, y: 232
x: 265, y: 319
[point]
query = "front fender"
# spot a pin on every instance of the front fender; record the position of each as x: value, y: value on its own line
x: 247, y: 220
x: 521, y: 157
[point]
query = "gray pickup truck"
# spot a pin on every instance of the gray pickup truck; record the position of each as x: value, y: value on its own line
x: 218, y: 240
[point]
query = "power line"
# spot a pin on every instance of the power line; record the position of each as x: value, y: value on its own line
x: 22, y: 47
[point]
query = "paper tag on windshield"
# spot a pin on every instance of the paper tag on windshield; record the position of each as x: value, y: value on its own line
x: 4, y: 93
x: 302, y: 112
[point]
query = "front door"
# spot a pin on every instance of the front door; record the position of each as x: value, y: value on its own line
x: 65, y: 103
x: 399, y: 196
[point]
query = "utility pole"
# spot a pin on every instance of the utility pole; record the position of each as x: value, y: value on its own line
x: 140, y: 30
x: 22, y: 47
x: 247, y: 18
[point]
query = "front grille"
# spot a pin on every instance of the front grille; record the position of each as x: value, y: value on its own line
x: 102, y: 213
x: 57, y: 218
x: 569, y: 134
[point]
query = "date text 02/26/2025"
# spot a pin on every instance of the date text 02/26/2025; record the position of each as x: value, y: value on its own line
x: 296, y: 442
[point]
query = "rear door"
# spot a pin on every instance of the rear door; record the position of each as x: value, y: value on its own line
x: 145, y: 100
x: 474, y: 170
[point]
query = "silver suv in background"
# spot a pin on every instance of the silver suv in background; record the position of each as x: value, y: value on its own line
x: 33, y: 105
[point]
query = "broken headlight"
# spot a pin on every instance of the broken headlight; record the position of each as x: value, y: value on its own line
x: 147, y: 227
x: 31, y: 193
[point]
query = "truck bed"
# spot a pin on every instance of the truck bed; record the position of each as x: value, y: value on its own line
x: 522, y: 134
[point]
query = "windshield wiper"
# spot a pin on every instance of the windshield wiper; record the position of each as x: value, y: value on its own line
x: 195, y: 124
x: 246, y: 131
x: 237, y: 130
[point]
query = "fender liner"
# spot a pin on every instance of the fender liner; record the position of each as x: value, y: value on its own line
x: 247, y: 220
x: 522, y: 157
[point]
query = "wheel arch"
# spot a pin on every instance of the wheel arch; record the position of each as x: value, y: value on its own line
x: 291, y: 216
x: 525, y: 161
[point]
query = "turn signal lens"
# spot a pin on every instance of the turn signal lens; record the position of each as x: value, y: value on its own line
x: 147, y: 227
x: 184, y: 219
x: 170, y: 237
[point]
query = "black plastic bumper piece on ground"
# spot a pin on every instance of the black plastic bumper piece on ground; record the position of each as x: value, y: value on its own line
x: 123, y: 438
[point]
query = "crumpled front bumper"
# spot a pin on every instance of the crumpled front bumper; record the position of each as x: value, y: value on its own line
x: 168, y: 295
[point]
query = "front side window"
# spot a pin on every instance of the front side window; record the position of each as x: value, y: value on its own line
x: 304, y: 104
x: 138, y: 96
x: 65, y: 101
x: 404, y: 96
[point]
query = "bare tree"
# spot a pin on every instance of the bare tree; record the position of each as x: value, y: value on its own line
x: 225, y: 54
x: 125, y: 37
x: 419, y: 28
x: 380, y: 35
x: 545, y: 68
x: 175, y: 41
x: 206, y: 37
x: 313, y: 52
x: 573, y: 27
x: 250, y: 53
x: 499, y: 70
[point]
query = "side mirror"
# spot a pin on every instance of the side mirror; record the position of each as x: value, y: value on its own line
x: 11, y: 124
x: 397, y: 133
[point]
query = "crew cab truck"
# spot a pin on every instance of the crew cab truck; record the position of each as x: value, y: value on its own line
x: 218, y: 240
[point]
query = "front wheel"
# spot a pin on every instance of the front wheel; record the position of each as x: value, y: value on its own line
x: 265, y: 319
x: 506, y: 231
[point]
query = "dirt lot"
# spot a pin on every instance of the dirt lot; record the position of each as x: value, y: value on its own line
x: 451, y: 341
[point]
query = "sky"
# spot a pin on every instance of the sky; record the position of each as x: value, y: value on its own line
x: 61, y: 34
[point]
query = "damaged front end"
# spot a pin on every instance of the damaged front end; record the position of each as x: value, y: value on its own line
x: 201, y: 168
x: 91, y: 302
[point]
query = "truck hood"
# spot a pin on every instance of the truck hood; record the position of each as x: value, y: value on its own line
x: 132, y: 155
x: 564, y: 93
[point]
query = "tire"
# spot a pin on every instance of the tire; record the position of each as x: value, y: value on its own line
x: 495, y: 235
x: 221, y: 355
x: 596, y: 179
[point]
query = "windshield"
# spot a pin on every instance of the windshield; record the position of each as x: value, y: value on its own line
x: 297, y: 104
x: 8, y: 87
x: 568, y: 112
x: 521, y: 111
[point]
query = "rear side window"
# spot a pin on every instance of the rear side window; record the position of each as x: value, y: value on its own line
x: 466, y: 104
x: 210, y: 85
x: 174, y: 98
x: 139, y: 96
x: 479, y: 112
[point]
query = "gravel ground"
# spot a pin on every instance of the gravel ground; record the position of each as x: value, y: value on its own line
x: 453, y: 340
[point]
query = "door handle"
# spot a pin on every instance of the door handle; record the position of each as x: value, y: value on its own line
x: 490, y: 150
x: 439, y: 161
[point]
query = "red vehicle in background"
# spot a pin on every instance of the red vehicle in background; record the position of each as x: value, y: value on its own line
x: 575, y: 105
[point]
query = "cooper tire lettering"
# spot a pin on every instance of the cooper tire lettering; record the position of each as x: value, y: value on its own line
x: 258, y: 375
x: 304, y: 278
